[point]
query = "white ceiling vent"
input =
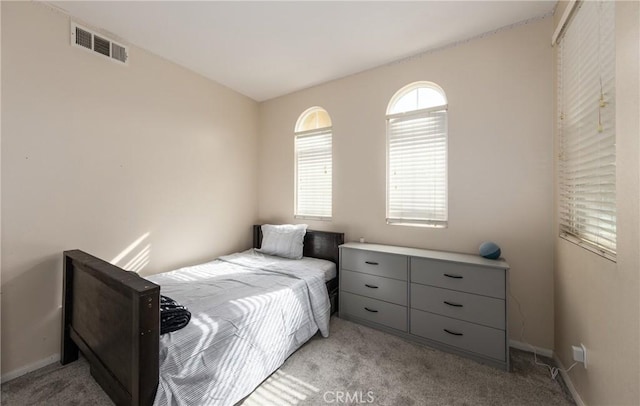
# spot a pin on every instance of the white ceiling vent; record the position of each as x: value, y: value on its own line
x: 98, y: 43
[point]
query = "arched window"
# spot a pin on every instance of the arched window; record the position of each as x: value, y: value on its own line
x: 417, y: 156
x: 313, y: 165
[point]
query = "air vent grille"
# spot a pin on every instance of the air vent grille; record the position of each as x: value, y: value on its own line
x: 101, y: 46
x: 87, y: 39
x: 83, y: 38
x: 118, y: 52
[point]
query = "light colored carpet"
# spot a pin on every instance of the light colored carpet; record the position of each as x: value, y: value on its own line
x: 356, y: 365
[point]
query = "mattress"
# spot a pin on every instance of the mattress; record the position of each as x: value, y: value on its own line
x: 249, y: 312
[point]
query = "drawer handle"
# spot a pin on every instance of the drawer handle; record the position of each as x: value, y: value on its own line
x: 453, y: 276
x: 370, y: 262
x: 452, y: 332
x: 453, y: 304
x: 370, y: 310
x: 370, y: 286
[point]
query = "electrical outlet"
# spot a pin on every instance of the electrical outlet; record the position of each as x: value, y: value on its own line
x: 580, y: 354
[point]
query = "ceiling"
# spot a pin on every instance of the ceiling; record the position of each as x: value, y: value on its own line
x: 267, y: 49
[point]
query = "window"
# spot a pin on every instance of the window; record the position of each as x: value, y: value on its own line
x: 587, y: 155
x: 417, y: 156
x: 313, y: 165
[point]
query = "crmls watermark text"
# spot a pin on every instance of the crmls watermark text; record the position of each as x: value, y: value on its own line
x: 355, y: 397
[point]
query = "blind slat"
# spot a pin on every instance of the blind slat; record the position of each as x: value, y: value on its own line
x: 313, y: 174
x: 417, y: 168
x: 586, y: 99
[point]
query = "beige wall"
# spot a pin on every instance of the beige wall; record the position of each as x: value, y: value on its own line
x: 499, y: 90
x: 597, y: 301
x: 96, y: 155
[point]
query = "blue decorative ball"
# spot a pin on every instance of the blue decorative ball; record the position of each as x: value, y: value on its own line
x: 490, y: 250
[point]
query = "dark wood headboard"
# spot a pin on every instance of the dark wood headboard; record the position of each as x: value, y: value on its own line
x: 113, y: 317
x: 317, y: 244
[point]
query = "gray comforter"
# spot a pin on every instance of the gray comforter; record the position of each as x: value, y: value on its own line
x: 249, y: 313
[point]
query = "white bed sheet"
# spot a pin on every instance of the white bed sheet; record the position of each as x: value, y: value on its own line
x: 249, y: 312
x: 255, y: 259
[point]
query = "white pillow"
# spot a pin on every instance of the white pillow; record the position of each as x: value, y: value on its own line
x: 284, y: 240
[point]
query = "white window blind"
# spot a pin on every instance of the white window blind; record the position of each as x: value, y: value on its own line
x: 417, y: 163
x: 586, y: 100
x: 313, y: 174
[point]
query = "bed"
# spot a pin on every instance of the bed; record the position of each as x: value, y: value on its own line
x: 112, y: 317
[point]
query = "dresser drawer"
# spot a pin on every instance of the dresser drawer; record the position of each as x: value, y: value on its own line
x: 375, y: 263
x: 464, y: 277
x: 377, y: 287
x: 387, y: 314
x: 486, y: 341
x: 477, y: 309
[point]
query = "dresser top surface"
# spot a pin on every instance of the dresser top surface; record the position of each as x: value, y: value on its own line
x: 430, y: 254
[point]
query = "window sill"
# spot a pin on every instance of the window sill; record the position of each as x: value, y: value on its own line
x: 317, y: 218
x: 417, y: 224
x: 588, y: 246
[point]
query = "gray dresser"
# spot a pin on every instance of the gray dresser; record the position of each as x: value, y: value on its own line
x: 454, y: 302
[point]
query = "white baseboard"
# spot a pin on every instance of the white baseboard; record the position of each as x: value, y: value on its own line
x: 29, y: 368
x: 545, y: 352
x: 568, y: 382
